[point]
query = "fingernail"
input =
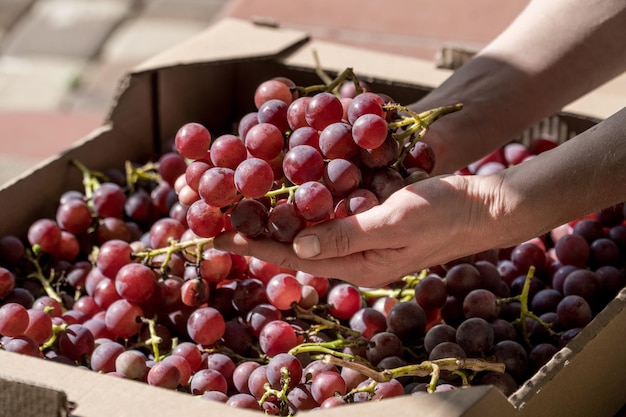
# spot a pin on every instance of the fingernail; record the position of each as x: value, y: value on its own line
x: 307, y: 246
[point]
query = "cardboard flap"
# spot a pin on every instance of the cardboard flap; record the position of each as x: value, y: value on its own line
x: 375, y: 64
x: 227, y: 39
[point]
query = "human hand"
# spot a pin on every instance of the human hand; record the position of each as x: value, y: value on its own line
x: 424, y: 224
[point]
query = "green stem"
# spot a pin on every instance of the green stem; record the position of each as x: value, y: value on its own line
x: 331, y: 324
x: 417, y: 123
x: 91, y: 179
x: 39, y: 275
x: 56, y: 329
x: 154, y: 340
x: 173, y: 247
x: 280, y: 394
x: 422, y: 369
x: 148, y: 172
x: 330, y: 348
x: 525, y: 312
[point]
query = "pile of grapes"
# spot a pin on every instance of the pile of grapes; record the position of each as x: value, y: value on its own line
x: 125, y: 281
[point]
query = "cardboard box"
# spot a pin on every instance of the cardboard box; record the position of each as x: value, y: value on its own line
x: 210, y: 79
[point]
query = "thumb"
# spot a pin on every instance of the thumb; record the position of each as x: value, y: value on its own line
x: 338, y: 237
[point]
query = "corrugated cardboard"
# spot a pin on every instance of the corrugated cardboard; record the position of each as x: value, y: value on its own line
x: 210, y: 79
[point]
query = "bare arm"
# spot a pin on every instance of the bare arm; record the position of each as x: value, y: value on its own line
x: 553, y: 53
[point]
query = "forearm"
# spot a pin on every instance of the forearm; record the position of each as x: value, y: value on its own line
x: 553, y: 53
x: 582, y: 175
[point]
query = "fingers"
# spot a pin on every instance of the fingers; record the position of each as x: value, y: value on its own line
x: 339, y: 237
x: 282, y: 254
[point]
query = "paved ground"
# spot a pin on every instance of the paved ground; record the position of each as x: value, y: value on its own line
x: 61, y: 60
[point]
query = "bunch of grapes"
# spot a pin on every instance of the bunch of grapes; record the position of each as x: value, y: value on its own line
x: 124, y: 280
x: 306, y: 155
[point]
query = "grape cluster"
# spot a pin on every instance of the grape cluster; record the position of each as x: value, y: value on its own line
x: 304, y: 156
x: 124, y: 279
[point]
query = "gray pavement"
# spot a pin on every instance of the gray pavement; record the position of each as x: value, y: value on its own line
x: 61, y: 62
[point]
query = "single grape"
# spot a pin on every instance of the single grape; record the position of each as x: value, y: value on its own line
x: 437, y: 334
x: 360, y: 200
x: 475, y: 336
x: 227, y: 151
x: 277, y: 337
x: 295, y: 113
x: 46, y: 234
x: 481, y: 303
x: 326, y: 385
x: 313, y: 201
x: 13, y: 319
x: 206, y: 325
x: 122, y: 318
x: 205, y: 220
x: 336, y: 141
x: 303, y: 163
x: 103, y: 356
x: 272, y: 89
x: 164, y: 375
x: 112, y: 256
x: 383, y: 345
x: 192, y: 140
x: 574, y: 311
x: 265, y: 141
x: 407, y: 320
x: 284, y: 222
x: 254, y: 177
x: 171, y: 166
x: 135, y: 282
x: 217, y: 186
x: 274, y: 111
x: 341, y: 177
x: 368, y: 321
x: 344, y: 301
x: 461, y: 279
x: 74, y: 216
x: 431, y: 292
x: 283, y: 290
x: 304, y: 135
x: 420, y: 156
x: 369, y: 131
x: 322, y: 110
x: 39, y: 326
x: 76, y: 342
x: 108, y: 200
x: 383, y: 182
x: 208, y: 380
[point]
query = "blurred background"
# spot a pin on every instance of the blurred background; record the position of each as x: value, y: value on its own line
x: 61, y: 60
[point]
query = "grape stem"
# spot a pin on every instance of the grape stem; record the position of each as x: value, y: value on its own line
x: 39, y: 276
x: 147, y: 172
x: 56, y: 329
x: 280, y: 394
x: 282, y: 190
x: 308, y: 315
x: 154, y: 340
x: 331, y: 348
x: 416, y: 125
x: 331, y: 85
x: 425, y: 368
x: 525, y: 312
x: 171, y: 249
x: 91, y: 179
x: 406, y: 293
